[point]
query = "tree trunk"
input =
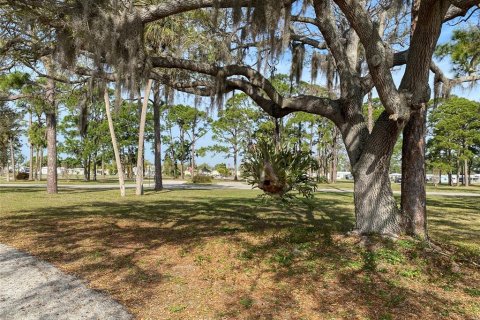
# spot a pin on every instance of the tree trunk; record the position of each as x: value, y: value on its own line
x: 193, y: 157
x: 465, y: 173
x: 375, y: 207
x: 12, y: 160
x: 30, y: 175
x: 458, y: 173
x: 51, y: 153
x: 235, y: 163
x: 182, y: 142
x: 40, y: 174
x: 157, y: 137
x: 141, y: 139
x: 414, y: 197
x: 121, y: 174
x: 85, y: 169
x: 51, y: 127
x: 8, y: 165
x: 95, y: 167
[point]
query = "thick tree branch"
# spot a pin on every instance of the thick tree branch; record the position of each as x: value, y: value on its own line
x: 459, y: 8
x: 222, y: 72
x: 378, y: 57
x: 167, y: 8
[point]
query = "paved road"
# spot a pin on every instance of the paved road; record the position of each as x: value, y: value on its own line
x: 34, y: 289
x: 179, y: 184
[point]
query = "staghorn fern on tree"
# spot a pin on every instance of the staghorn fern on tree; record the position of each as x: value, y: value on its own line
x: 277, y: 170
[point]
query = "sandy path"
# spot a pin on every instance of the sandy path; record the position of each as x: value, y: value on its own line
x: 33, y: 289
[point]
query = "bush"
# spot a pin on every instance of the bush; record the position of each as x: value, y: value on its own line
x: 22, y: 176
x: 202, y: 179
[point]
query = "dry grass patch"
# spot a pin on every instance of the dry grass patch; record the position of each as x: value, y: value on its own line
x: 223, y: 254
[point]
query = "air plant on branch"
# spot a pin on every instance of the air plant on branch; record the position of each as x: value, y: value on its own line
x: 279, y: 169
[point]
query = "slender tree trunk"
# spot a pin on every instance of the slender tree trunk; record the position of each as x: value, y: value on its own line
x: 121, y: 174
x: 12, y: 160
x: 458, y: 173
x: 37, y: 159
x: 51, y: 127
x: 95, y: 167
x: 85, y: 170
x: 182, y: 142
x: 235, y: 163
x: 466, y: 175
x: 141, y: 139
x: 193, y: 156
x: 414, y: 197
x: 52, y: 153
x: 8, y: 165
x: 40, y: 174
x: 30, y: 175
x: 157, y: 137
x: 310, y: 147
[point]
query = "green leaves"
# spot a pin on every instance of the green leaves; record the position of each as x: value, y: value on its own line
x: 277, y: 170
x: 463, y: 51
x: 455, y: 126
x: 13, y: 81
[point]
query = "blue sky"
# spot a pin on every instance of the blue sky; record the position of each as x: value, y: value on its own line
x: 469, y: 92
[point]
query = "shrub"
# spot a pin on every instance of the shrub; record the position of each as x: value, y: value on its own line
x: 202, y: 179
x: 22, y: 176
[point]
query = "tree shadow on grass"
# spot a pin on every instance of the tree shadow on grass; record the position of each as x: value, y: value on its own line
x: 294, y: 247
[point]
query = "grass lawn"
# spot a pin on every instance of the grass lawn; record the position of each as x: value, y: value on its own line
x: 342, y: 184
x: 225, y: 254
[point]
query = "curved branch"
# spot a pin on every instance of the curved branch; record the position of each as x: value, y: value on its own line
x: 167, y: 8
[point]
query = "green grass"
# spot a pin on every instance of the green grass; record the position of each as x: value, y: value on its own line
x: 226, y: 252
x: 348, y: 185
x: 340, y: 185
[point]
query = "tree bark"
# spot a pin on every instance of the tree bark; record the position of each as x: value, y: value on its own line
x: 40, y: 175
x: 375, y: 207
x: 8, y: 165
x: 30, y: 175
x: 235, y: 163
x: 121, y: 174
x: 157, y: 137
x: 182, y: 142
x: 424, y: 36
x: 414, y: 198
x: 51, y: 118
x: 141, y: 140
x: 51, y: 127
x: 370, y: 112
x: 465, y: 173
x: 12, y: 160
x: 94, y: 167
x: 458, y: 173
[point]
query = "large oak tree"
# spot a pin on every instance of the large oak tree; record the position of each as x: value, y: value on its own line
x: 243, y: 41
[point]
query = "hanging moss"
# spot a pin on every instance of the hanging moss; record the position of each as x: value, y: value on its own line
x: 298, y: 58
x: 112, y: 33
